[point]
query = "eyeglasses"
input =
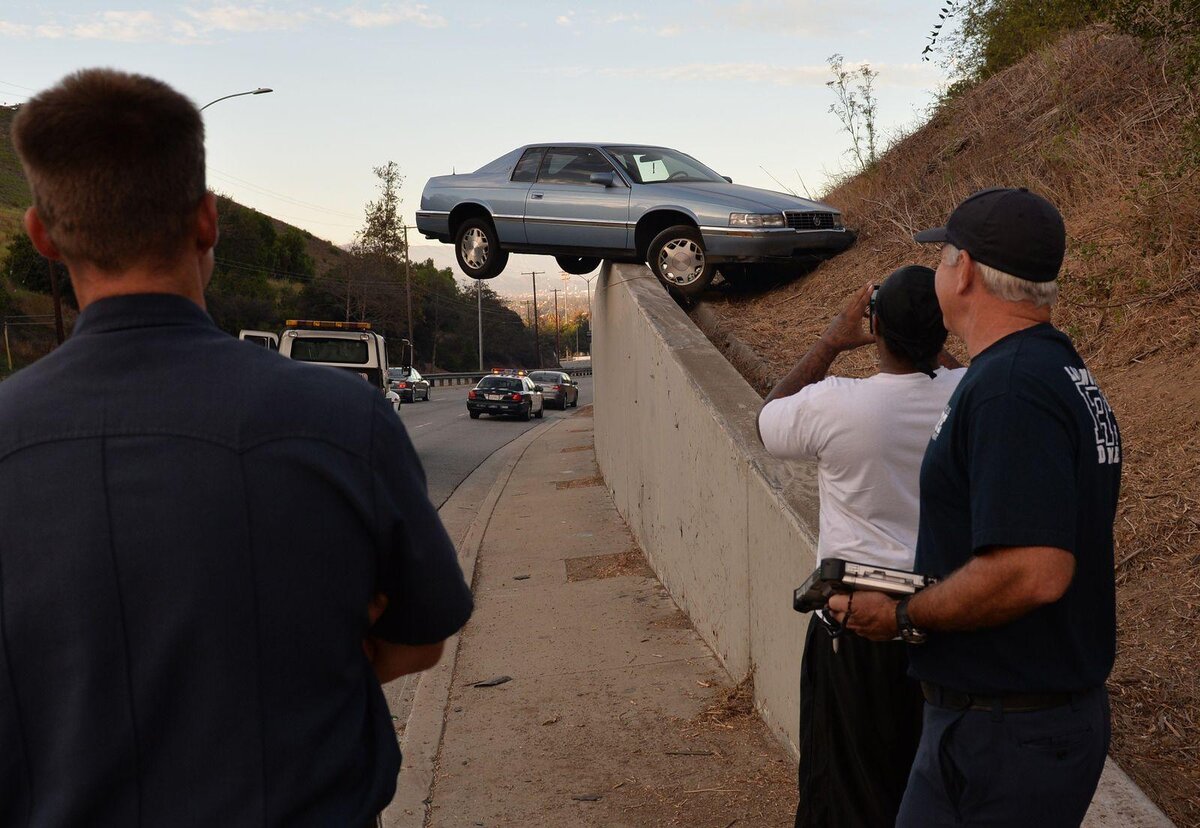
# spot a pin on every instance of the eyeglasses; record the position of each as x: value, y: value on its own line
x: 869, y: 313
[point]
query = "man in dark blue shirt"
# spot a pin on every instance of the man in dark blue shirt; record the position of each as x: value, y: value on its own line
x: 211, y: 556
x: 1018, y: 495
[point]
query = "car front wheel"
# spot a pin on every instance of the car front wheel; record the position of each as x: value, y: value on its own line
x: 478, y: 249
x: 677, y: 258
x: 577, y: 265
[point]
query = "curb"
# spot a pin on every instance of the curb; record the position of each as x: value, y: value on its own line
x: 421, y: 743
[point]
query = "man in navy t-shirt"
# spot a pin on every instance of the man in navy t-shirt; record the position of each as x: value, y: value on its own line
x: 211, y: 555
x: 1018, y: 494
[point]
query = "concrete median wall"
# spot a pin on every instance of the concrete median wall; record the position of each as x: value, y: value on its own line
x: 675, y: 439
x: 729, y: 530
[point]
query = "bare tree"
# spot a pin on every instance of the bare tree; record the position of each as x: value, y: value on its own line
x: 855, y: 106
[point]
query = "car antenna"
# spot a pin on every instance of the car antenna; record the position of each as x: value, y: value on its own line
x: 776, y: 180
x: 807, y: 194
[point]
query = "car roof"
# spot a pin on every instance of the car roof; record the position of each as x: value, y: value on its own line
x: 591, y: 144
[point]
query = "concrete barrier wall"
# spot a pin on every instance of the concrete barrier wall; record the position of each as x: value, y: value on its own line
x: 729, y: 530
x: 675, y: 439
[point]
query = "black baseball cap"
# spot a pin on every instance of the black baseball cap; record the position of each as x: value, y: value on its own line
x: 1013, y: 230
x: 907, y: 305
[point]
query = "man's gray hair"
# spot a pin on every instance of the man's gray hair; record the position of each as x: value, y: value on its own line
x: 1006, y: 287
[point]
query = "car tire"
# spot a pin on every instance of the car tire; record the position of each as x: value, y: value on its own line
x: 541, y: 412
x: 426, y: 395
x: 527, y: 413
x: 477, y: 248
x: 677, y: 258
x: 577, y: 265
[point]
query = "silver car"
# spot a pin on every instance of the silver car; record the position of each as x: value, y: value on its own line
x: 558, y: 389
x: 585, y: 202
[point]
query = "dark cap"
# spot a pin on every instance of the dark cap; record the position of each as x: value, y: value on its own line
x: 907, y: 305
x: 1015, y: 231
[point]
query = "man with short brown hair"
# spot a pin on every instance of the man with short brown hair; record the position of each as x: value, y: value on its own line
x: 212, y: 556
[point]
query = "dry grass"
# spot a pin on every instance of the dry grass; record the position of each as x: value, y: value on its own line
x: 1098, y: 123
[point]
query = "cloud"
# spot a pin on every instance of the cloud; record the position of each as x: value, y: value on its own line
x: 198, y: 23
x: 390, y: 15
x: 796, y: 17
x: 563, y: 20
x: 623, y: 17
x: 670, y: 31
x: 920, y: 75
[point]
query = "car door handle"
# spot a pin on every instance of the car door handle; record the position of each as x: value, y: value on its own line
x: 535, y: 195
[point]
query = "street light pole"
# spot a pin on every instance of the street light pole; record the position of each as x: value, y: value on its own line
x: 557, y: 330
x: 262, y: 90
x: 479, y: 302
x: 408, y: 292
x: 588, y: 279
x: 537, y: 345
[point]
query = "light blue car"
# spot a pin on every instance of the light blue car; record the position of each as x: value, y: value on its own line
x: 585, y: 202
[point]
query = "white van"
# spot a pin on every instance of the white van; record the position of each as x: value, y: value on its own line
x: 351, y: 346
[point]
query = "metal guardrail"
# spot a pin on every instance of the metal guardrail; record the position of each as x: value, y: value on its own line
x: 472, y: 377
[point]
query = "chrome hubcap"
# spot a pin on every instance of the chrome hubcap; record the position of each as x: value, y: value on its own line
x: 475, y: 248
x: 681, y: 261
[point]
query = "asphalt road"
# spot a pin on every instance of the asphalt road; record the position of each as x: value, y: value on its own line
x: 451, y: 445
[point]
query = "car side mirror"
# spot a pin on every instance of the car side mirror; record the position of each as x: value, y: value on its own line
x: 727, y: 178
x: 537, y: 388
x: 606, y: 179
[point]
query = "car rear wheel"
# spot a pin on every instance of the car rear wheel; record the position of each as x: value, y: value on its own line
x: 577, y: 265
x: 677, y: 258
x: 526, y: 412
x: 478, y: 249
x: 426, y: 395
x: 474, y: 415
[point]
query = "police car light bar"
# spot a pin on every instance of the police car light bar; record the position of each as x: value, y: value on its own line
x: 314, y: 323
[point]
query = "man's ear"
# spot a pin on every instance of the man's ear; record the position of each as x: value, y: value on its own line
x: 965, y: 275
x: 40, y: 236
x: 206, y: 223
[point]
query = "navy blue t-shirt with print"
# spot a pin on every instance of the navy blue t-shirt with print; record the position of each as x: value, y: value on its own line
x: 1027, y: 453
x: 191, y: 529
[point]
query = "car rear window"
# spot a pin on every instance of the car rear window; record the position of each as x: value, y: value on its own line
x: 527, y: 167
x: 544, y: 376
x: 501, y: 384
x: 317, y: 349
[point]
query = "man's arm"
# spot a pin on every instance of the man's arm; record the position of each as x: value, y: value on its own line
x: 993, y: 588
x: 391, y: 661
x: 844, y: 333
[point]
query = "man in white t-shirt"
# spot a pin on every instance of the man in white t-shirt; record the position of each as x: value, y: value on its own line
x: 860, y: 713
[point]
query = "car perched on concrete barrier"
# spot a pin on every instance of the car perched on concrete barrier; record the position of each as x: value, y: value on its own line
x: 585, y: 202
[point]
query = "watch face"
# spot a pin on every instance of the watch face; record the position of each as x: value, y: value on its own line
x: 912, y: 636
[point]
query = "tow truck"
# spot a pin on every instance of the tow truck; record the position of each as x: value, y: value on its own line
x: 351, y: 346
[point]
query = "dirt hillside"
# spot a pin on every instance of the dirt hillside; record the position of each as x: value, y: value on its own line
x: 1105, y: 127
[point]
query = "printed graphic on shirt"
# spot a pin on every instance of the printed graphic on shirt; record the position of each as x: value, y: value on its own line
x: 1108, y: 439
x: 937, y: 429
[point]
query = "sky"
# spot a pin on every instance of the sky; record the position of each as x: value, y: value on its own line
x: 448, y: 86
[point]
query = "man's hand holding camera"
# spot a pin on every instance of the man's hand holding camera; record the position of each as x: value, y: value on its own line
x: 868, y: 613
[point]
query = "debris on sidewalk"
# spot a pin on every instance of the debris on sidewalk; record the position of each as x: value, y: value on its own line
x: 492, y: 682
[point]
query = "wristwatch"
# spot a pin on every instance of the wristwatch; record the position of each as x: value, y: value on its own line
x: 908, y: 633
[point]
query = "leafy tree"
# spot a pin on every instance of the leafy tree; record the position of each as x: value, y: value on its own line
x: 31, y: 270
x: 290, y: 259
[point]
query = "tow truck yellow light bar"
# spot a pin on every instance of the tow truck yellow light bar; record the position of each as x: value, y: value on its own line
x: 339, y: 326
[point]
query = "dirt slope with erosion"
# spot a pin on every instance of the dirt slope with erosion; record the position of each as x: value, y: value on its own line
x: 1103, y: 126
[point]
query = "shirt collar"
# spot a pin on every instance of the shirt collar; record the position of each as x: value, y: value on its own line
x: 140, y: 310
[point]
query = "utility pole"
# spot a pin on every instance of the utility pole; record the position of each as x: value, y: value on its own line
x: 479, y: 301
x: 408, y: 295
x: 58, y: 319
x: 557, y: 330
x: 7, y: 349
x: 588, y: 279
x: 537, y: 345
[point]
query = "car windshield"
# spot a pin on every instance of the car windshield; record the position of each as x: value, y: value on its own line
x: 545, y: 376
x: 397, y: 373
x: 500, y: 384
x: 319, y: 349
x: 657, y: 165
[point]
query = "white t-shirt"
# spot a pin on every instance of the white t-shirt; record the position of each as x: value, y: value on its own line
x: 868, y: 437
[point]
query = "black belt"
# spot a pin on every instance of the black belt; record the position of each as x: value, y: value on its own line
x: 951, y: 699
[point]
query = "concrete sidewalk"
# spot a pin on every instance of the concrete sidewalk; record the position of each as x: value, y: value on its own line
x: 608, y: 709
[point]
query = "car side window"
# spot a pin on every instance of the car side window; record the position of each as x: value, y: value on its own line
x: 527, y: 167
x: 572, y: 165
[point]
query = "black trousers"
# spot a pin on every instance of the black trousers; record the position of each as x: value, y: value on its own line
x: 860, y: 724
x: 1008, y: 770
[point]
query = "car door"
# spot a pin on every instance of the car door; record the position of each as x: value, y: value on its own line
x: 564, y: 209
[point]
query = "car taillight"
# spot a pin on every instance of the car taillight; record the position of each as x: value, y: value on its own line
x: 471, y: 394
x: 404, y: 385
x: 516, y: 397
x: 558, y: 388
